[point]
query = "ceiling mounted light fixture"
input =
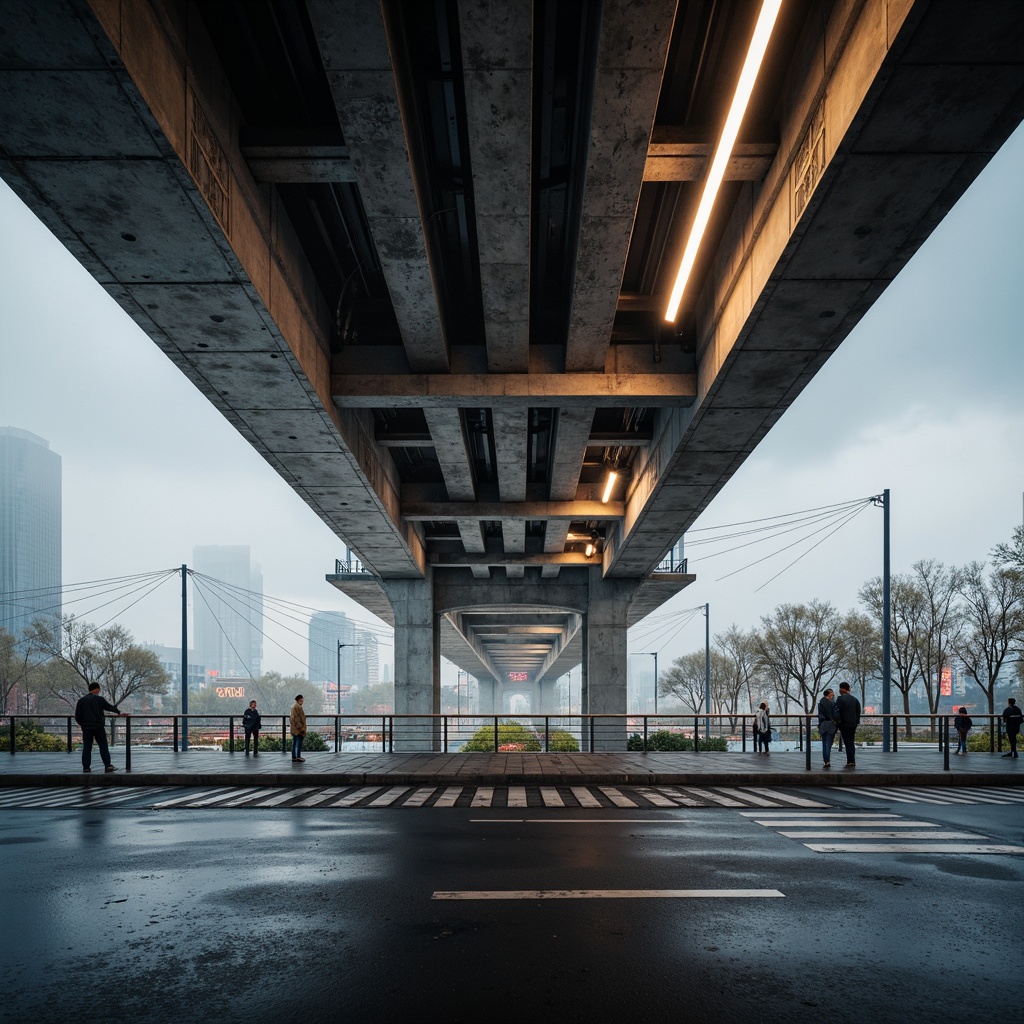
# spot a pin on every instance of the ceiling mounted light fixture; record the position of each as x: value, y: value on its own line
x: 609, y: 484
x: 716, y: 172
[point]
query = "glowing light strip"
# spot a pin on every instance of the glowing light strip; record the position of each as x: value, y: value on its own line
x: 609, y: 484
x: 716, y: 173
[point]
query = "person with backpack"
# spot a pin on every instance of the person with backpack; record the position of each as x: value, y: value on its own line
x: 827, y: 725
x: 1012, y: 718
x: 848, y: 710
x: 762, y: 728
x: 962, y: 724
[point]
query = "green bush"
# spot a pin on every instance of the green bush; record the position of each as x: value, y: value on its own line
x: 665, y: 740
x: 979, y: 740
x: 271, y: 742
x: 560, y: 740
x: 30, y: 736
x: 513, y: 736
x: 717, y: 744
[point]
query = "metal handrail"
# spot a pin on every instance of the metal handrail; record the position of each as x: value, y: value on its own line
x: 442, y: 726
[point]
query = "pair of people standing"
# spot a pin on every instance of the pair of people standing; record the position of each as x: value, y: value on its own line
x: 838, y: 714
x: 251, y: 722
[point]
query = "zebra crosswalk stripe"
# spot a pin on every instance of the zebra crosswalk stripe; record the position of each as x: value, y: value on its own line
x: 517, y: 796
x: 788, y: 798
x: 388, y: 798
x: 680, y: 798
x: 319, y: 798
x: 448, y: 797
x: 483, y: 797
x: 551, y: 797
x: 716, y: 798
x: 281, y: 798
x: 420, y: 797
x: 584, y: 796
x: 656, y: 798
x: 353, y: 798
x: 617, y: 798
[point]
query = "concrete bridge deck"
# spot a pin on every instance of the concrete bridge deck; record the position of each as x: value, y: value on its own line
x: 917, y: 767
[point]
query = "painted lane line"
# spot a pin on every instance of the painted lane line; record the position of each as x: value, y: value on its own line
x: 585, y: 797
x: 911, y: 848
x: 607, y: 894
x: 516, y: 796
x: 579, y: 821
x: 873, y: 823
x: 878, y: 835
x: 681, y: 798
x: 319, y: 798
x: 815, y: 816
x: 656, y: 798
x: 388, y: 798
x: 191, y: 797
x: 617, y: 798
x: 551, y: 797
x: 351, y: 799
x: 720, y: 799
x: 788, y: 798
x: 483, y: 797
x: 448, y: 797
x: 420, y: 797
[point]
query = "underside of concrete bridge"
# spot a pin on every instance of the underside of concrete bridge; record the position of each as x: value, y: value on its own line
x: 420, y: 254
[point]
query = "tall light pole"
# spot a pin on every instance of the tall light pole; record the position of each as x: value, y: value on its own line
x: 654, y: 655
x: 883, y: 500
x: 707, y: 669
x: 340, y: 645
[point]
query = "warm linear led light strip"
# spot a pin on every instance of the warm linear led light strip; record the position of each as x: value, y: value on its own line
x: 713, y: 181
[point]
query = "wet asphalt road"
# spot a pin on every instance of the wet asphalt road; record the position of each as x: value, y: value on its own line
x: 305, y: 915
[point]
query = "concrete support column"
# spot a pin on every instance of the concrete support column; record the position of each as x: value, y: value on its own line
x: 604, y: 659
x: 417, y: 663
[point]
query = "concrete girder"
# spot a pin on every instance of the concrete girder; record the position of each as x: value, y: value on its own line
x: 497, y: 61
x: 630, y: 64
x: 864, y: 171
x: 510, y: 454
x: 120, y: 134
x: 353, y: 40
x: 508, y: 391
x: 512, y: 511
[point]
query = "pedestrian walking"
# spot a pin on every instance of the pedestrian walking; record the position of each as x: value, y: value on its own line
x: 298, y: 723
x: 251, y: 723
x: 763, y: 727
x: 827, y: 725
x: 848, y: 711
x: 89, y: 714
x: 962, y: 724
x: 1012, y: 717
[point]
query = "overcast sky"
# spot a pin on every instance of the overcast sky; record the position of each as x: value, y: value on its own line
x: 926, y: 397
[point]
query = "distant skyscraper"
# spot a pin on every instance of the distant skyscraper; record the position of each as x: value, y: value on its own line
x: 30, y: 529
x: 326, y: 631
x: 227, y: 611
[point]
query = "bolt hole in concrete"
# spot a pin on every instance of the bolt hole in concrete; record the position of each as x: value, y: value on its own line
x: 217, y: 318
x: 127, y: 236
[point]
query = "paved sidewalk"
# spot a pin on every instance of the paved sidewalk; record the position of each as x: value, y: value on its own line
x: 917, y: 767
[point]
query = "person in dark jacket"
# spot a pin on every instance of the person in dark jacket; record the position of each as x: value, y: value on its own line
x: 827, y: 725
x: 962, y: 724
x: 763, y: 727
x: 89, y: 715
x: 1012, y: 717
x: 251, y: 723
x: 848, y: 710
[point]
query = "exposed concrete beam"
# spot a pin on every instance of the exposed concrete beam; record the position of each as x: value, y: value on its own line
x: 508, y: 390
x: 676, y: 155
x: 512, y: 511
x: 449, y: 439
x: 298, y: 165
x: 354, y: 46
x: 497, y: 64
x: 630, y: 64
x: 509, y: 559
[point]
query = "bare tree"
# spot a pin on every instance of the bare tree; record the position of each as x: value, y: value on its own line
x: 862, y: 645
x: 1010, y: 557
x: 802, y: 643
x: 125, y: 672
x: 941, y: 623
x: 907, y: 618
x: 993, y: 624
x: 685, y: 681
x: 15, y: 668
x: 737, y: 647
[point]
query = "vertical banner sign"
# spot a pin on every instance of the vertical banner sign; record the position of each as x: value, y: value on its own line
x: 946, y: 682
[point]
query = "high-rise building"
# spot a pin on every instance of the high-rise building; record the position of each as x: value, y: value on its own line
x: 30, y: 529
x: 227, y: 611
x: 326, y: 631
x: 367, y: 666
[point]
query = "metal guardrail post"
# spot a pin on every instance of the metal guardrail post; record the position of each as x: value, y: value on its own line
x: 12, y: 735
x: 445, y: 747
x: 231, y: 734
x: 895, y: 734
x: 337, y: 734
x: 547, y: 738
x: 999, y: 734
x: 743, y: 735
x: 944, y: 728
x: 391, y: 734
x: 128, y: 743
x: 174, y: 721
x: 591, y: 734
x: 645, y: 734
x: 696, y: 735
x: 284, y: 735
x: 807, y: 763
x: 495, y: 733
x: 69, y: 734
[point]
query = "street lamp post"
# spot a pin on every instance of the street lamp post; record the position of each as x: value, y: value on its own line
x: 707, y: 670
x: 340, y: 645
